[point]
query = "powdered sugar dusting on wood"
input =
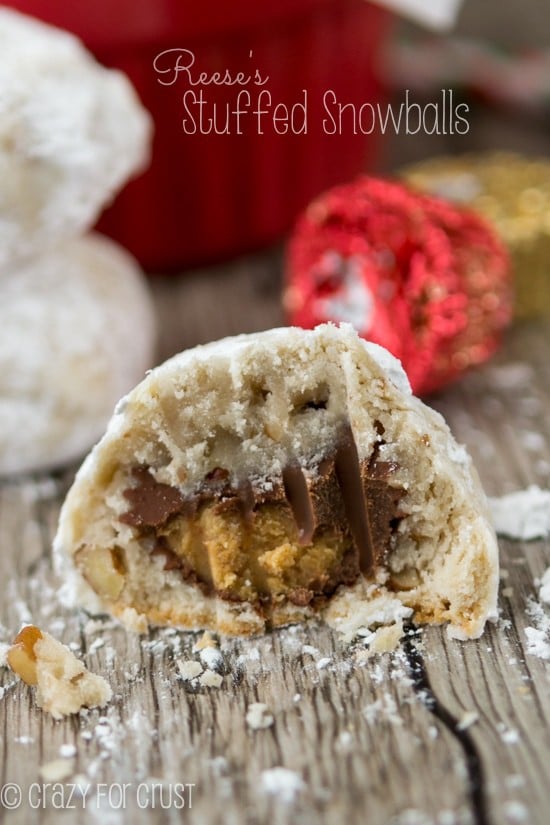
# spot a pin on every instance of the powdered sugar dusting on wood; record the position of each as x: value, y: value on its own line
x: 524, y: 514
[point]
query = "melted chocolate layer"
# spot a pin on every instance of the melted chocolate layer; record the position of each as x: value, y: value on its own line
x: 152, y: 503
x: 349, y: 497
x: 348, y: 473
x: 298, y: 496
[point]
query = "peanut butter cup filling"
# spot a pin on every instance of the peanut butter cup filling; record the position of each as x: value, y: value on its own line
x: 296, y: 539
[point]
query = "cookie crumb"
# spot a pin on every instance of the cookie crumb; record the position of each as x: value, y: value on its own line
x: 205, y: 641
x: 282, y: 783
x: 189, y: 669
x: 386, y: 639
x: 211, y: 679
x: 509, y: 736
x: 258, y: 716
x: 64, y: 685
x: 467, y: 720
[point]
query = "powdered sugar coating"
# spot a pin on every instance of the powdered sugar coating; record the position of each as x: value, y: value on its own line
x: 76, y: 332
x: 244, y: 404
x: 71, y: 134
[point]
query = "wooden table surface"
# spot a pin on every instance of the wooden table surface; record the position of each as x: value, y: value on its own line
x: 368, y: 740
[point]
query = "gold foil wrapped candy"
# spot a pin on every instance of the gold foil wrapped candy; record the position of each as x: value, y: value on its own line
x: 512, y: 193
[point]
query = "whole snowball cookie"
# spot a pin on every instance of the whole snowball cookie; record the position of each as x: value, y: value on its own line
x: 71, y: 134
x: 76, y: 332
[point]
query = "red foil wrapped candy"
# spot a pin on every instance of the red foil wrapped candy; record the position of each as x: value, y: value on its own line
x: 423, y: 278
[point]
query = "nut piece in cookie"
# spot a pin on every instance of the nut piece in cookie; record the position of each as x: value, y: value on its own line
x: 21, y: 656
x: 63, y: 684
x: 276, y: 477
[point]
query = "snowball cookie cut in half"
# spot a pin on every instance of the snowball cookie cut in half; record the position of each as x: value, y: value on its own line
x: 71, y: 134
x: 76, y: 333
x: 269, y: 478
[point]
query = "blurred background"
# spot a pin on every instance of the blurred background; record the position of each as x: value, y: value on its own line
x: 498, y: 55
x: 218, y: 207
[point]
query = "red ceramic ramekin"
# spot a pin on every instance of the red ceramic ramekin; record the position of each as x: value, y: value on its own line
x: 206, y: 197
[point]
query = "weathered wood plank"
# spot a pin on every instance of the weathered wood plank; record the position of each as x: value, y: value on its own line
x: 502, y: 414
x: 162, y: 728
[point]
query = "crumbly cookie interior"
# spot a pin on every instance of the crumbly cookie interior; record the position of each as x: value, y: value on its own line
x: 250, y: 483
